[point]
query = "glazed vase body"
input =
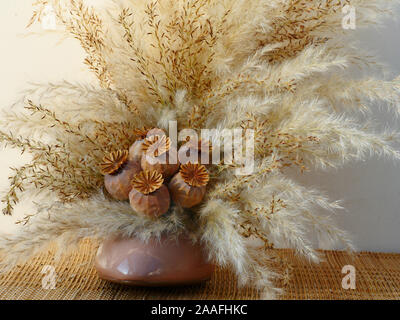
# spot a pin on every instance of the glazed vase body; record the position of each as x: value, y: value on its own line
x: 164, y: 262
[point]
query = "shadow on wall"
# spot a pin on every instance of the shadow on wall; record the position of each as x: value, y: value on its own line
x: 370, y: 190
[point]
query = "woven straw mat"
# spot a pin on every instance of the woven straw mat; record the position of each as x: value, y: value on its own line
x: 377, y: 277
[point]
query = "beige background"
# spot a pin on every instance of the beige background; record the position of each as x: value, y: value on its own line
x: 371, y: 190
x: 28, y: 56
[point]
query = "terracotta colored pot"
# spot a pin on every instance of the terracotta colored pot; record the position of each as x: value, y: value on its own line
x: 156, y: 263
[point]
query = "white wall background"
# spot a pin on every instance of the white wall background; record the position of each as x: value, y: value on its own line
x: 370, y: 190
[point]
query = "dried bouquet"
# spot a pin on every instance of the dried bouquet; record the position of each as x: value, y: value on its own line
x: 284, y: 70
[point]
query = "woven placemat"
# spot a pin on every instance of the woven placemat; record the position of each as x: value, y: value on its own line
x: 377, y: 277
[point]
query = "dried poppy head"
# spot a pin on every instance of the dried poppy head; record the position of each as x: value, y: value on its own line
x: 156, y: 145
x: 149, y: 196
x: 159, y: 155
x: 188, y: 187
x: 195, y: 175
x: 147, y: 182
x: 113, y: 161
x: 195, y: 151
x: 118, y: 172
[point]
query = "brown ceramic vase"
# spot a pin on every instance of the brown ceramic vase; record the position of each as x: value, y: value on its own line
x: 155, y: 263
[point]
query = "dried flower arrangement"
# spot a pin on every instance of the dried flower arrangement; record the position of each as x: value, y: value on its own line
x: 283, y: 68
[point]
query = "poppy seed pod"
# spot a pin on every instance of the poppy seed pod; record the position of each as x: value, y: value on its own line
x: 149, y: 196
x: 195, y: 151
x: 160, y: 156
x: 136, y: 150
x: 188, y: 187
x: 118, y: 172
